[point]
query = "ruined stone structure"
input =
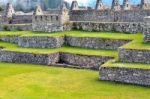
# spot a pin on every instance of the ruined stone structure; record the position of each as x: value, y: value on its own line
x: 74, y: 5
x: 49, y: 22
x: 126, y: 18
x: 99, y: 5
x: 115, y: 5
x: 144, y: 4
x: 146, y: 30
x: 126, y: 5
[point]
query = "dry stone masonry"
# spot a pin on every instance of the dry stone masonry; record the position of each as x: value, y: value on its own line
x: 24, y: 57
x: 146, y: 30
x: 132, y: 27
x: 76, y: 60
x: 40, y: 42
x: 134, y: 55
x: 126, y: 18
x: 95, y: 42
x: 126, y: 75
x: 59, y: 41
x: 84, y: 61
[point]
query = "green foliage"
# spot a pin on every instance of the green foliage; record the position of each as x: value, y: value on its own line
x: 1, y: 9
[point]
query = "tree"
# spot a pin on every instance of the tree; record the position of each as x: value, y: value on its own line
x: 1, y: 9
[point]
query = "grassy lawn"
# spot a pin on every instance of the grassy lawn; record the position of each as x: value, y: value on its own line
x: 85, y: 51
x: 20, y: 81
x: 137, y: 43
x: 75, y: 33
x: 113, y: 63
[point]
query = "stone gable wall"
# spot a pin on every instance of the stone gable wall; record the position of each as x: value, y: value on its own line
x: 126, y: 75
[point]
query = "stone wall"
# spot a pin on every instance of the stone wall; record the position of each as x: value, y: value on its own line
x: 128, y: 27
x: 134, y: 55
x: 9, y: 38
x: 146, y: 29
x: 10, y: 27
x: 95, y: 42
x: 74, y: 60
x: 24, y: 57
x: 21, y: 19
x: 109, y: 15
x: 126, y: 75
x: 58, y: 41
x: 41, y: 42
x: 83, y: 61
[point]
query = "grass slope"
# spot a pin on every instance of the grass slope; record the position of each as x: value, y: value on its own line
x: 75, y: 33
x: 113, y: 63
x: 15, y: 47
x: 20, y: 81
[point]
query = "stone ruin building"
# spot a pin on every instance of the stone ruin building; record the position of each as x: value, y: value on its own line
x: 49, y: 22
x: 55, y: 19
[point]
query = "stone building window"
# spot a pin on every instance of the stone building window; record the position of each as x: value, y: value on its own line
x: 56, y: 18
x: 36, y: 18
x: 51, y: 17
x: 41, y: 17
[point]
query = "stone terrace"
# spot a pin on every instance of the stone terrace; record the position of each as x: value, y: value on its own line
x: 80, y: 49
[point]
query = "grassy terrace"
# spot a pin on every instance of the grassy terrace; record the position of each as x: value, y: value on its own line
x: 137, y: 43
x: 25, y: 81
x: 74, y: 33
x: 113, y: 63
x: 15, y: 47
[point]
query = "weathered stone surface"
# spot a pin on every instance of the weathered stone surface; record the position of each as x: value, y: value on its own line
x: 83, y: 61
x: 109, y: 15
x: 24, y: 57
x: 53, y: 42
x: 95, y: 42
x: 146, y: 29
x: 126, y: 75
x: 134, y: 55
x: 72, y: 60
x: 9, y: 38
x: 41, y: 41
x: 10, y: 27
x: 128, y: 27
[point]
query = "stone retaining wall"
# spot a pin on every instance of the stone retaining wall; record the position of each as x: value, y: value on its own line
x: 126, y: 75
x: 24, y: 57
x: 134, y: 55
x: 83, y: 61
x: 41, y: 42
x: 23, y: 27
x: 109, y: 15
x: 95, y: 42
x: 53, y: 42
x: 128, y: 27
x: 74, y: 60
x: 9, y: 38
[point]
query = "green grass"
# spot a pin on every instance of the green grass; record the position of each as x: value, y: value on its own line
x: 21, y: 81
x: 137, y: 43
x: 76, y: 50
x: 75, y: 33
x: 113, y: 63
